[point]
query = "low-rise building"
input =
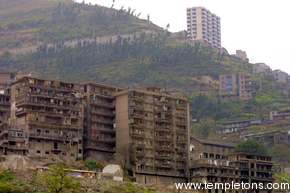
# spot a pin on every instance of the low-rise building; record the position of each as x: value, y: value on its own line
x: 216, y: 162
x: 236, y: 126
x: 153, y: 135
x: 279, y: 115
x: 253, y: 168
x: 209, y: 162
x: 269, y: 138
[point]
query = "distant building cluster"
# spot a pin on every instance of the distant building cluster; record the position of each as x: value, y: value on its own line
x: 227, y: 86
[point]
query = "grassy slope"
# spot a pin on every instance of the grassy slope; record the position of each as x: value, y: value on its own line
x: 24, y: 23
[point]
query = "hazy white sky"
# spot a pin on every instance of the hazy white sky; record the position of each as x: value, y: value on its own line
x: 260, y: 27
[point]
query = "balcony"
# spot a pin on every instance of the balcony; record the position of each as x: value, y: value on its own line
x: 51, y: 125
x: 164, y: 139
x: 103, y: 121
x: 57, y: 88
x: 54, y: 137
x: 103, y: 113
x: 107, y: 140
x: 96, y: 147
x: 27, y: 102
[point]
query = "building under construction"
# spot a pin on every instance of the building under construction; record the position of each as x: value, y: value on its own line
x: 46, y: 119
x: 100, y: 131
x: 153, y: 134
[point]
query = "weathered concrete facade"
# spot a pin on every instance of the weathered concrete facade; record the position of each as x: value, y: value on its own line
x: 216, y: 162
x: 46, y: 119
x: 209, y: 162
x: 235, y: 87
x: 153, y: 134
x: 100, y: 131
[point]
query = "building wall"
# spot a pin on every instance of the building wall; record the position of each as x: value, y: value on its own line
x: 159, y: 180
x: 123, y: 140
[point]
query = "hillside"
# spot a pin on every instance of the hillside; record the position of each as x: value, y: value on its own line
x: 79, y: 42
x: 24, y: 24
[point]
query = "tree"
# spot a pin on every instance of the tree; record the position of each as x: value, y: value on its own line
x: 8, y: 183
x: 56, y: 180
x: 251, y: 147
x: 93, y: 165
x: 204, y: 127
x: 281, y: 153
x: 282, y: 178
x: 263, y: 101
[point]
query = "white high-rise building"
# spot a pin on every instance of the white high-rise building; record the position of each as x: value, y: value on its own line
x: 204, y: 26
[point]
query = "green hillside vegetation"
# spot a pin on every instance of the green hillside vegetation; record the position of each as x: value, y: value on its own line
x: 251, y: 147
x: 28, y: 22
x: 148, y: 59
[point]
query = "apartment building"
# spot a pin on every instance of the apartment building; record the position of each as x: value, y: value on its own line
x: 209, y: 162
x: 253, y: 168
x: 204, y: 26
x: 235, y: 87
x: 153, y: 135
x: 100, y: 131
x: 46, y: 119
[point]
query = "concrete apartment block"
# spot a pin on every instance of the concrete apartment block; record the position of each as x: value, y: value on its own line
x: 153, y: 135
x: 204, y: 26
